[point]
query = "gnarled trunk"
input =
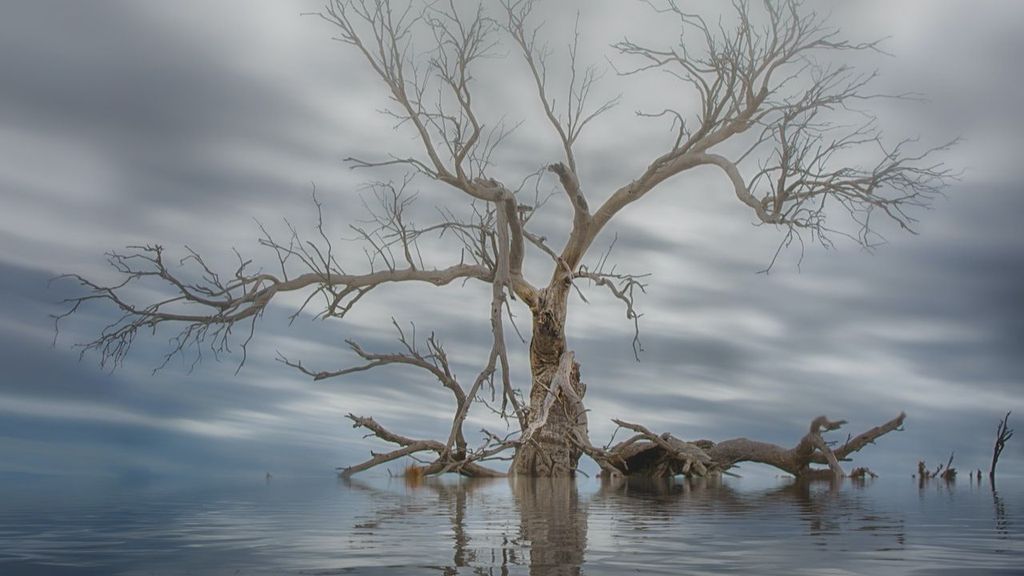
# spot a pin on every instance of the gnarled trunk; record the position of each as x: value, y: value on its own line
x: 557, y: 423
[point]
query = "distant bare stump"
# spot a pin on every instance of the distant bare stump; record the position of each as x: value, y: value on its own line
x: 949, y: 474
x: 944, y: 472
x: 862, y: 473
x: 663, y: 455
x: 1003, y: 434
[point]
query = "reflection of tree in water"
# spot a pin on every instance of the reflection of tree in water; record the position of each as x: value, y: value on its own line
x: 455, y: 498
x: 554, y: 523
x: 552, y: 533
x: 1002, y: 523
x: 828, y: 512
x: 551, y: 536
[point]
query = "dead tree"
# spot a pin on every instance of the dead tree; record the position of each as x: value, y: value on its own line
x: 1003, y: 435
x: 946, y: 472
x: 758, y: 100
x: 949, y: 474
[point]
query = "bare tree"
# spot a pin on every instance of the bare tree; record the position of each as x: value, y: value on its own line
x: 1003, y: 435
x: 764, y: 83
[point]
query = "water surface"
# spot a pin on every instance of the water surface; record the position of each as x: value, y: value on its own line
x: 388, y: 527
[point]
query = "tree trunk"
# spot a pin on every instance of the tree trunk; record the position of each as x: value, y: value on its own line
x: 557, y: 423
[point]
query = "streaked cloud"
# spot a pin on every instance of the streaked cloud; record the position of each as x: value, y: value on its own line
x: 125, y: 123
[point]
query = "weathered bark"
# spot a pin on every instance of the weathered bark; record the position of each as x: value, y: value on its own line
x: 557, y: 423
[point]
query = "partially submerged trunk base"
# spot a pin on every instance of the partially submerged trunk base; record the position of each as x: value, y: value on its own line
x: 550, y: 446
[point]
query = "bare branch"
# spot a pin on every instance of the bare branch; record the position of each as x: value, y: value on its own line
x: 622, y: 286
x: 691, y: 459
x: 431, y: 89
x: 746, y: 77
x: 206, y: 306
x: 378, y: 459
x: 1003, y: 435
x: 434, y: 361
x: 569, y: 125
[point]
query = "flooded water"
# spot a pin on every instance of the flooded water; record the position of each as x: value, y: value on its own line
x: 537, y: 527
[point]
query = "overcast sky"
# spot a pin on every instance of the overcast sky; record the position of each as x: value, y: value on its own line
x: 181, y: 122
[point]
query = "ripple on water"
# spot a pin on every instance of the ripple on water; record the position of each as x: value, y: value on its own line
x: 381, y: 526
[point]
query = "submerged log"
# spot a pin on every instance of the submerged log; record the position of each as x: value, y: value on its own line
x: 662, y: 455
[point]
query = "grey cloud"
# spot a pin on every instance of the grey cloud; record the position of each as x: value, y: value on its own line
x: 179, y: 129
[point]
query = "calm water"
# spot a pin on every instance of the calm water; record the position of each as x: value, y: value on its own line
x: 382, y: 526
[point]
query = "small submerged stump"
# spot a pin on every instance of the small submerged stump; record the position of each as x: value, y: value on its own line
x: 944, y: 472
x: 862, y: 473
